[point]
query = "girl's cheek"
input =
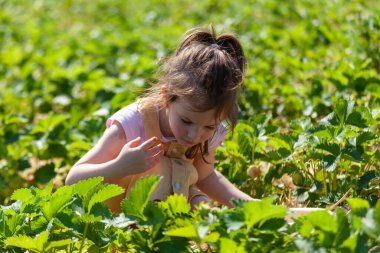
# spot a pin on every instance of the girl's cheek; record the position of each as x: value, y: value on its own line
x: 180, y: 129
x: 207, y: 135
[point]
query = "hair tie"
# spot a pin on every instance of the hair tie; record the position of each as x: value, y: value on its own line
x: 214, y: 45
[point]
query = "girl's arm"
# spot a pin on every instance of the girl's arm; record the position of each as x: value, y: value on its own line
x: 114, y: 158
x: 214, y: 184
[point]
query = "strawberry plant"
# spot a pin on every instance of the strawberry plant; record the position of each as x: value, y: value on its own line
x: 74, y: 219
x: 324, y: 161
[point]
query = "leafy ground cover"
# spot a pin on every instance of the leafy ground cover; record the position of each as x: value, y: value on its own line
x: 73, y: 219
x: 308, y: 132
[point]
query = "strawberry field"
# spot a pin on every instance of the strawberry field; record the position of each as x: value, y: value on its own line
x: 308, y: 133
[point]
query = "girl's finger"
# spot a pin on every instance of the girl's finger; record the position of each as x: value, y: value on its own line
x: 154, y: 150
x: 152, y: 161
x: 135, y: 142
x: 148, y: 143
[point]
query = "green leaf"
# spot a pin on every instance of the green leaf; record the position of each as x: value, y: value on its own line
x: 36, y: 244
x: 15, y: 119
x: 343, y: 231
x: 139, y: 196
x: 350, y: 243
x: 23, y: 195
x: 172, y: 245
x: 247, y: 129
x: 119, y: 222
x: 45, y: 173
x: 71, y: 220
x: 302, y: 141
x: 48, y: 124
x: 377, y: 216
x: 61, y: 244
x: 245, y: 144
x: 285, y: 140
x: 154, y: 215
x: 329, y: 120
x: 82, y: 187
x: 359, y: 207
x: 273, y: 224
x: 276, y: 155
x: 233, y: 150
x: 177, y: 204
x: 227, y: 245
x: 230, y: 246
x: 342, y: 109
x: 330, y: 162
x: 78, y: 146
x: 261, y: 211
x: 339, y: 134
x: 357, y: 119
x: 202, y: 230
x: 233, y: 219
x: 90, y: 218
x: 366, y: 178
x: 305, y: 245
x: 301, y: 125
x: 15, y: 222
x: 364, y: 137
x: 332, y: 148
x: 322, y: 220
x: 369, y: 224
x: 53, y: 149
x: 59, y: 199
x: 306, y: 228
x: 211, y: 237
x: 353, y: 153
x: 319, y: 133
x: 188, y: 231
x: 106, y: 192
x: 45, y: 192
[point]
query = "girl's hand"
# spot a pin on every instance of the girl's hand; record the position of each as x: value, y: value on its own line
x: 137, y: 157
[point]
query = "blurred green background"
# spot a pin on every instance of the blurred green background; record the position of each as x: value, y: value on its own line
x: 65, y: 66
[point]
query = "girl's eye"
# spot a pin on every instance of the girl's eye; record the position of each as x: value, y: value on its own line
x: 186, y: 121
x: 210, y: 127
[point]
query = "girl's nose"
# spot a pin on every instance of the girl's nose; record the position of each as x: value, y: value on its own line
x: 192, y: 133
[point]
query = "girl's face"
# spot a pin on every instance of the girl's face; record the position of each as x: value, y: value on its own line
x: 188, y: 126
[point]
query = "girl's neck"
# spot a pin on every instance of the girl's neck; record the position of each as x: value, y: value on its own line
x: 163, y: 121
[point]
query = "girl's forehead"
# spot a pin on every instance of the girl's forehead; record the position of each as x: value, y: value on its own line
x: 186, y: 108
x: 190, y: 105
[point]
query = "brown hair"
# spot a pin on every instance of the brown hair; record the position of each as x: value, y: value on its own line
x: 205, y: 68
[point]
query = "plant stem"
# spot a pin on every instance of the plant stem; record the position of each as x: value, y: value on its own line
x: 3, y: 223
x: 30, y: 227
x: 324, y: 182
x: 84, y: 237
x: 253, y: 149
x: 335, y: 185
x: 330, y: 182
x: 332, y: 208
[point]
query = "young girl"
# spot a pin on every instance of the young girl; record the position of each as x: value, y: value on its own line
x: 174, y: 130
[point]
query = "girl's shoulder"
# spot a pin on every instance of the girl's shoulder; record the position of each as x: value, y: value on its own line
x: 130, y: 119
